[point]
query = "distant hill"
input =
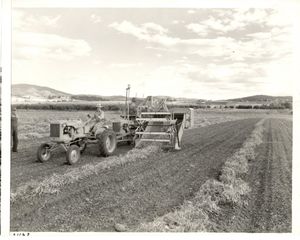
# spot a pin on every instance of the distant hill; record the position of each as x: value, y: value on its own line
x: 261, y: 98
x: 34, y: 91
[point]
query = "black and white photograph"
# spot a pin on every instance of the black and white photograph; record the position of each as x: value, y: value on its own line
x: 158, y: 119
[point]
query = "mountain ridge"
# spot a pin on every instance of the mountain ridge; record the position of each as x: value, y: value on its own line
x: 35, y: 91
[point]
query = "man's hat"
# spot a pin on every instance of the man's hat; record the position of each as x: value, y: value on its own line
x: 99, y: 105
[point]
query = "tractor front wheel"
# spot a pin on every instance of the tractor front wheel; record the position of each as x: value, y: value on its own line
x: 43, y: 152
x: 73, y: 154
x: 107, y: 142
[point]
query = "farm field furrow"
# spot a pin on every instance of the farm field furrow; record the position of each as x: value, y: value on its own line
x: 269, y: 204
x: 26, y: 167
x: 274, y: 195
x: 134, y: 193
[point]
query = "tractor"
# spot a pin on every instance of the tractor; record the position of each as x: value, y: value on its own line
x: 152, y: 122
x: 74, y: 137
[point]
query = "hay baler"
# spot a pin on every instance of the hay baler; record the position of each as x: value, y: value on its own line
x: 159, y: 124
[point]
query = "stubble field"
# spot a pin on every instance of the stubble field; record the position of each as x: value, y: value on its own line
x: 232, y: 174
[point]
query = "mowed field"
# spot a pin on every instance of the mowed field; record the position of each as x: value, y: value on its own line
x: 136, y: 188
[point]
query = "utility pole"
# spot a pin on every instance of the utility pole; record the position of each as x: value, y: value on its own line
x: 127, y: 101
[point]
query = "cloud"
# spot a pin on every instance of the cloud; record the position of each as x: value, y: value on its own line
x: 224, y: 21
x: 31, y: 45
x: 261, y: 46
x: 154, y: 33
x: 175, y: 22
x: 227, y: 20
x: 149, y: 32
x: 162, y: 79
x: 254, y: 46
x: 50, y: 21
x: 200, y: 29
x: 30, y: 40
x: 277, y: 34
x: 24, y: 21
x: 273, y: 77
x: 230, y: 73
x: 125, y: 65
x: 160, y: 49
x: 219, y: 48
x: 148, y: 27
x: 279, y: 17
x: 206, y: 82
x: 95, y: 18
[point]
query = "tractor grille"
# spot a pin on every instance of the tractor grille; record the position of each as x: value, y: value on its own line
x: 54, y: 130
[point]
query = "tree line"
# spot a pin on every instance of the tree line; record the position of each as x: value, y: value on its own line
x: 118, y: 107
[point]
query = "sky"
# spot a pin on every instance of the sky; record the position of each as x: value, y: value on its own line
x: 205, y: 53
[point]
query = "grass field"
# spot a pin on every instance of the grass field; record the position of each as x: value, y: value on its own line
x: 35, y: 124
x: 232, y: 174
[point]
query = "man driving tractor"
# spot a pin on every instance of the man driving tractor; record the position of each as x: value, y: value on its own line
x: 95, y: 121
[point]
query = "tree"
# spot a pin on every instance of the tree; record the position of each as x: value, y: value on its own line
x: 287, y: 105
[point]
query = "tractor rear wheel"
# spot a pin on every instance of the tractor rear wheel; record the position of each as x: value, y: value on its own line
x: 43, y: 152
x: 107, y: 142
x: 73, y: 154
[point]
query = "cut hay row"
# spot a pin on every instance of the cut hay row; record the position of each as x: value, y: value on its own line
x: 193, y: 215
x: 54, y: 183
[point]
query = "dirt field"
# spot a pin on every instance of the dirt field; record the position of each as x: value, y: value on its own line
x: 142, y: 190
x: 268, y: 207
